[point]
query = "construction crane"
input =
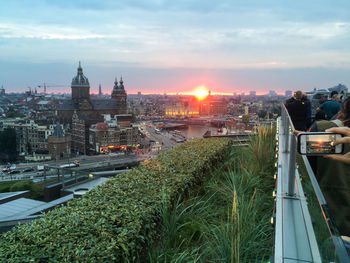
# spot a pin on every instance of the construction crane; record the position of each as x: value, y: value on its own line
x: 51, y: 86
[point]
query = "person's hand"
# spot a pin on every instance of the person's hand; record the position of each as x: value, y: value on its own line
x: 346, y: 139
x: 296, y: 132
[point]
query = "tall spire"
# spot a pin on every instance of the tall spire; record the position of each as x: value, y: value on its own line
x: 115, y: 84
x: 80, y: 79
x: 121, y: 85
x: 80, y: 69
x: 99, y: 90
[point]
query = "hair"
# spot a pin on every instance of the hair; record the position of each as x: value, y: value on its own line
x: 298, y: 94
x: 345, y: 108
x: 334, y: 94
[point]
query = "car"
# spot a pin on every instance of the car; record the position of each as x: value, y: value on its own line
x: 14, y: 172
x: 28, y: 169
x: 42, y: 167
x: 6, y: 169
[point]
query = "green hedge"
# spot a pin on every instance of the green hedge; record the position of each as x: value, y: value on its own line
x: 36, y: 191
x: 114, y: 221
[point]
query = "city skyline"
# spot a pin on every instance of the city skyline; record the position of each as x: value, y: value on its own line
x: 174, y: 47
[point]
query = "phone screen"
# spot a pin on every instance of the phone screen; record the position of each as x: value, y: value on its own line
x: 319, y: 144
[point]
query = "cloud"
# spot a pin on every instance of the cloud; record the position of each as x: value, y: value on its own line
x: 44, y: 32
x: 227, y: 34
x: 157, y: 45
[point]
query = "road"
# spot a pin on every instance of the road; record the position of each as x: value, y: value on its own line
x: 166, y: 140
x: 85, y: 161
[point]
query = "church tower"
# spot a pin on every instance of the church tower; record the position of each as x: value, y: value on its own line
x: 80, y: 86
x: 99, y: 91
x: 119, y: 94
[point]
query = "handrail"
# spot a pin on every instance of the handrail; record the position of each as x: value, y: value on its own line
x: 337, y: 241
x: 295, y: 240
x: 289, y: 146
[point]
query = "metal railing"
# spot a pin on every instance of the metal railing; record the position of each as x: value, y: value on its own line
x: 295, y: 237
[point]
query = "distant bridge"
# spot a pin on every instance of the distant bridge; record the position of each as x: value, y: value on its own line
x: 174, y: 126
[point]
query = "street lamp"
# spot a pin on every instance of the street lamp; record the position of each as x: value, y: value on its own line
x: 68, y: 157
x: 75, y: 175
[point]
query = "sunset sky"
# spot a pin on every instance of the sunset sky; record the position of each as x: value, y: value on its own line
x: 174, y: 46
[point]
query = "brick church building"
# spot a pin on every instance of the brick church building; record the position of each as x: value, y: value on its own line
x: 88, y: 108
x: 81, y: 111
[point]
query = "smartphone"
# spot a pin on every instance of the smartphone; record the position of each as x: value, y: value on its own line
x: 319, y: 143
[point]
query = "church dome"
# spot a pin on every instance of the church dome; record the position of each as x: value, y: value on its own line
x: 80, y: 79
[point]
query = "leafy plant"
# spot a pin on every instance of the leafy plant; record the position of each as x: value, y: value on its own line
x: 115, y: 221
x: 226, y: 219
x: 36, y: 191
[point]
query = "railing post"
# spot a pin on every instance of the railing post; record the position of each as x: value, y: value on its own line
x: 291, y: 164
x: 285, y: 131
x: 286, y: 135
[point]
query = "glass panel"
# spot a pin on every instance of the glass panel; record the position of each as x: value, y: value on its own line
x: 322, y: 233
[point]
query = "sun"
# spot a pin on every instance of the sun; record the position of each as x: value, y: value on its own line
x: 201, y: 93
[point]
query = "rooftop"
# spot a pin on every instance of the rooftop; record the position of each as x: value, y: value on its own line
x: 97, y: 104
x: 17, y: 207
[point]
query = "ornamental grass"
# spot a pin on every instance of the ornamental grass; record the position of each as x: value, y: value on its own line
x: 227, y: 218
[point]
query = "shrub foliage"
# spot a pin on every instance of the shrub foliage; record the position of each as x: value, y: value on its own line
x: 36, y: 191
x: 114, y: 221
x: 227, y: 218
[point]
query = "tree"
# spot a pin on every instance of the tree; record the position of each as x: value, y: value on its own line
x: 245, y: 119
x: 14, y: 114
x: 277, y: 110
x: 133, y: 117
x: 262, y: 114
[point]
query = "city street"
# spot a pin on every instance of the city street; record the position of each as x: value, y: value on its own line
x: 166, y: 141
x: 83, y: 160
x: 164, y: 138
